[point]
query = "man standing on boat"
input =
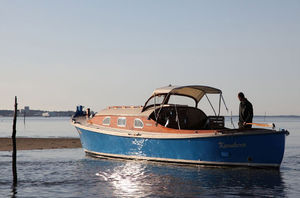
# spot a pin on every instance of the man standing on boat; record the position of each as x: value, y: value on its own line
x: 245, y: 112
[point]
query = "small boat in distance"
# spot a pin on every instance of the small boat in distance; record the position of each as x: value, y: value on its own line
x: 46, y: 114
x: 168, y: 131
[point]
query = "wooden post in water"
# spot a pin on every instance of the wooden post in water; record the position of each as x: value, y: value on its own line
x: 14, y: 154
x: 24, y: 116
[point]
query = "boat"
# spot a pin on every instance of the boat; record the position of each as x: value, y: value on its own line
x: 169, y: 129
x: 46, y: 114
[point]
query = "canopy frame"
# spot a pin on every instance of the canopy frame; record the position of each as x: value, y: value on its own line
x: 196, y: 92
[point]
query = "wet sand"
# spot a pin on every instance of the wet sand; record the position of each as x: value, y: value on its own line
x: 40, y: 143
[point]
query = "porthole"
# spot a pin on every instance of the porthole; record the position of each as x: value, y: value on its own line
x: 138, y: 123
x: 106, y: 121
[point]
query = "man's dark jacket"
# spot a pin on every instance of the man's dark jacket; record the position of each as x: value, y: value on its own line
x: 245, y: 113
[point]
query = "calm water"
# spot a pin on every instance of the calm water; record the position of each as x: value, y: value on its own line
x: 38, y: 127
x: 69, y: 173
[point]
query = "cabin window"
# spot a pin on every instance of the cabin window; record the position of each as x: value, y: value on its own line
x: 106, y: 121
x: 122, y: 122
x: 138, y: 123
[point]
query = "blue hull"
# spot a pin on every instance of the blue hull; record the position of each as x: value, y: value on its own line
x: 265, y: 149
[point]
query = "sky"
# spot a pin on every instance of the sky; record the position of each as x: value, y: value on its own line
x: 56, y: 54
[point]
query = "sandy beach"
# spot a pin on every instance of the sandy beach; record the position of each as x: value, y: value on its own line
x: 39, y: 143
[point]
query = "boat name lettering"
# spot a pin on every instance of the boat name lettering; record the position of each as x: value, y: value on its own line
x: 234, y: 145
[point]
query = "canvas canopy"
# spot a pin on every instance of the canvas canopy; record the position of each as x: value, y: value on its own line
x: 194, y: 91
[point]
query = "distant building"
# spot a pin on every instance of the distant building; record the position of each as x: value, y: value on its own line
x: 26, y: 110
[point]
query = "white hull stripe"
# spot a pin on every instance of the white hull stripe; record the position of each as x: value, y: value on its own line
x: 106, y: 155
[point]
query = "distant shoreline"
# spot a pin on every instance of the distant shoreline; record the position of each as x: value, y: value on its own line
x: 36, y: 113
x: 297, y: 116
x: 37, y: 116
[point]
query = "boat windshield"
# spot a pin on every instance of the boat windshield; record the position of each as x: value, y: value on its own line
x: 155, y: 100
x: 182, y: 100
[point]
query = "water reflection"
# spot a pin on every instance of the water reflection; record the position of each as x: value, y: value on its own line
x: 142, y: 179
x: 14, y: 191
x: 68, y: 173
x: 241, y: 182
x: 127, y: 179
x: 139, y: 142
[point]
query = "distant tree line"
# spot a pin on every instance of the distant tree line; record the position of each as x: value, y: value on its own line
x: 31, y: 113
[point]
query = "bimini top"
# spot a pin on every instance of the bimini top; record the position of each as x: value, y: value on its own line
x: 194, y: 91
